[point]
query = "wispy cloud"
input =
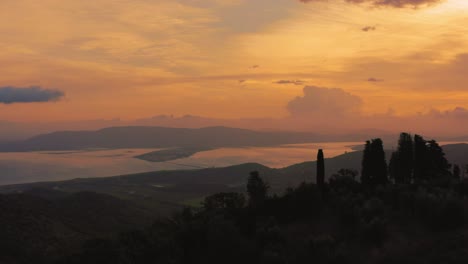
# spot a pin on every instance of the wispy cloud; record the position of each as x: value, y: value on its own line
x: 295, y: 82
x: 387, y: 3
x: 34, y: 94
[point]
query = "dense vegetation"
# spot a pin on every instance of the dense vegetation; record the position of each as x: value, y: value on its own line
x: 412, y: 211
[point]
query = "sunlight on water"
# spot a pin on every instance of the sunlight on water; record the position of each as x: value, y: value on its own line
x: 21, y: 167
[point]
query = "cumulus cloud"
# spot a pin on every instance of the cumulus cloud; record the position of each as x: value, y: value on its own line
x: 295, y: 82
x: 456, y: 113
x: 324, y: 102
x: 387, y: 3
x: 33, y: 94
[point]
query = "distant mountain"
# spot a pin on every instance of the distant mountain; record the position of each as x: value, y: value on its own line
x: 163, y: 137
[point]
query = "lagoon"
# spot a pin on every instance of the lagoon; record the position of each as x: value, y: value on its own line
x: 22, y: 167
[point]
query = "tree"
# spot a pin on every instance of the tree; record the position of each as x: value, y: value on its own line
x: 437, y: 167
x: 430, y: 164
x: 374, y: 165
x: 257, y: 189
x: 456, y: 172
x: 320, y: 168
x: 394, y: 167
x: 224, y: 201
x: 402, y: 160
x: 366, y: 164
x: 420, y: 158
x: 344, y: 179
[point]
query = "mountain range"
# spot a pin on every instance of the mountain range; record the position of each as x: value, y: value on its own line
x: 165, y: 137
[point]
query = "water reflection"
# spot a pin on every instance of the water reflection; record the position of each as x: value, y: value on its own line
x: 20, y: 167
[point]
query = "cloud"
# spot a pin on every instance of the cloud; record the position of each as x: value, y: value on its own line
x: 372, y: 79
x: 295, y: 82
x: 456, y: 113
x: 368, y: 28
x: 324, y: 102
x: 387, y: 3
x: 33, y: 94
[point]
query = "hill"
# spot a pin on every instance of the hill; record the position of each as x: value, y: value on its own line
x: 167, y: 137
x: 169, y: 190
x: 43, y: 222
x: 156, y: 137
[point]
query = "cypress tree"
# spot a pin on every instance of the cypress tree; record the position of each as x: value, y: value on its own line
x: 366, y: 164
x: 437, y: 167
x: 320, y: 168
x: 379, y: 163
x: 257, y: 189
x: 394, y: 167
x: 402, y: 160
x: 374, y: 165
x: 430, y: 164
x: 420, y: 159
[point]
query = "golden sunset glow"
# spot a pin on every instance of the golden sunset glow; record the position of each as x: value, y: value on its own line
x: 230, y: 58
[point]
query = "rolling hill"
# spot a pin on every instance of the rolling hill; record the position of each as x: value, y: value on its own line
x: 168, y: 190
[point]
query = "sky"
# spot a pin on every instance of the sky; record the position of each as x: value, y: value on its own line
x: 330, y: 65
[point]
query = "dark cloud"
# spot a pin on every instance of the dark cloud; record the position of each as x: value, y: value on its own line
x: 324, y: 102
x: 372, y: 79
x: 387, y: 3
x: 295, y: 82
x: 368, y: 28
x: 34, y: 94
x: 242, y: 81
x: 255, y: 66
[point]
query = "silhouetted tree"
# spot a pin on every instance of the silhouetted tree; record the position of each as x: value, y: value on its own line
x: 257, y: 189
x: 401, y: 162
x: 394, y: 167
x: 420, y: 159
x: 344, y: 179
x: 374, y: 165
x: 456, y: 172
x: 224, y: 201
x: 438, y: 168
x: 366, y: 170
x: 430, y: 164
x: 320, y: 168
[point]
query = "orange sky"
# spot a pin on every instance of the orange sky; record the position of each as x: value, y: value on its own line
x: 132, y: 59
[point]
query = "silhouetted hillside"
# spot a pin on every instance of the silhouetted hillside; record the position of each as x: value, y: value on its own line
x: 283, y: 219
x: 42, y: 222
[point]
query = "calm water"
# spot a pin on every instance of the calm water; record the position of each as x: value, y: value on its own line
x: 20, y: 167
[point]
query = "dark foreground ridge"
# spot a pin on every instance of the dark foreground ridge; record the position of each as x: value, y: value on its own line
x: 412, y: 209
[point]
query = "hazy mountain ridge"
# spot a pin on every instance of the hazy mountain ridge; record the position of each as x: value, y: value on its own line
x: 164, y: 137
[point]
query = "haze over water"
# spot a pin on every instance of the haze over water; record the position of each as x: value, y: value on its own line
x: 21, y: 167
